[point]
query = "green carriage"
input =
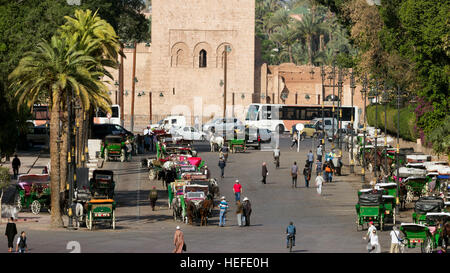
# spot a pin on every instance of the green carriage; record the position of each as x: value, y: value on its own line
x: 370, y: 208
x: 416, y: 186
x: 428, y: 234
x: 101, y: 208
x: 426, y: 204
x: 237, y: 145
x: 113, y: 148
x: 33, y: 192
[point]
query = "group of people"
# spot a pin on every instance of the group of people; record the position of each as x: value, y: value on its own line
x: 149, y: 140
x: 10, y: 233
x: 373, y: 244
x: 243, y: 209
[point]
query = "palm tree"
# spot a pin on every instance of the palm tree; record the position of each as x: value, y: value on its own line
x: 56, y: 68
x: 309, y: 27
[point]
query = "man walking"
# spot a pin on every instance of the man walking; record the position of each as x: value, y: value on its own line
x: 11, y: 232
x: 178, y: 241
x: 264, y: 173
x: 15, y: 165
x: 239, y: 211
x: 153, y: 196
x: 247, y: 211
x: 276, y: 156
x: 307, y: 174
x: 318, y: 167
x: 294, y: 173
x: 319, y: 153
x: 395, y: 240
x: 310, y: 159
x: 294, y: 140
x: 222, y: 165
x: 223, y: 206
x: 319, y: 183
x: 147, y: 138
x: 237, y: 190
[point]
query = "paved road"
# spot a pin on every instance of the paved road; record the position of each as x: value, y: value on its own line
x: 324, y: 223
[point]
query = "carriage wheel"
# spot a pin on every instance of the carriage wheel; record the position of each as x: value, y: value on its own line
x: 113, y: 220
x: 35, y: 207
x: 18, y: 202
x: 89, y: 221
x: 427, y: 246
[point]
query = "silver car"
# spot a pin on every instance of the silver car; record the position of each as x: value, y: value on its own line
x: 218, y: 125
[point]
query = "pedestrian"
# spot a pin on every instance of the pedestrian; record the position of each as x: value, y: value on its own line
x: 237, y: 190
x: 328, y: 172
x: 222, y: 165
x: 147, y: 138
x: 374, y: 243
x: 310, y: 159
x: 294, y: 174
x: 318, y: 167
x: 290, y: 231
x: 294, y: 140
x: 10, y: 233
x: 395, y: 239
x: 264, y: 173
x: 370, y: 230
x: 247, y: 211
x: 178, y: 241
x: 307, y: 174
x: 319, y: 153
x: 153, y: 196
x: 223, y: 206
x: 21, y: 245
x: 319, y: 183
x: 15, y: 165
x: 276, y: 156
x: 239, y: 212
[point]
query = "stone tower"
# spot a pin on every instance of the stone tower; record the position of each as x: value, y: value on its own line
x: 187, y: 62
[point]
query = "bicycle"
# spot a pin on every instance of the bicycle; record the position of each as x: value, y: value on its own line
x: 291, y: 241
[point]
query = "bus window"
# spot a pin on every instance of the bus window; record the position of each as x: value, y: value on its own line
x: 252, y: 113
x: 266, y: 112
x: 115, y: 111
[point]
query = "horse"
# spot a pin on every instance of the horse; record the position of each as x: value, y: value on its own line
x: 215, y: 141
x: 177, y: 209
x: 213, y: 187
x: 205, y: 210
x: 402, y: 194
x: 79, y: 212
x: 193, y: 210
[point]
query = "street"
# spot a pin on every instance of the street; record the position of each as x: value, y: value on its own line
x: 325, y: 224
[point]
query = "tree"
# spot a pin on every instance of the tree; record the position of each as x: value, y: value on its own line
x: 5, y: 179
x: 55, y: 68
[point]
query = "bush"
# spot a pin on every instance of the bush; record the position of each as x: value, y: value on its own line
x: 407, y: 121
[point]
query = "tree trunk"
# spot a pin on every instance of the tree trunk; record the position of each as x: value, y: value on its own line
x: 63, y: 153
x: 322, y: 44
x: 290, y: 54
x: 308, y: 41
x: 56, y: 218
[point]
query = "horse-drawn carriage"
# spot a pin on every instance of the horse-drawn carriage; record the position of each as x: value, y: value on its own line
x: 370, y: 208
x: 431, y: 234
x: 424, y: 205
x: 101, y: 208
x: 33, y: 192
x: 237, y: 145
x: 199, y: 203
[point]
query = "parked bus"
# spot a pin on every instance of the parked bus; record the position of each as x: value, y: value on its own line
x: 101, y: 117
x: 281, y: 117
x: 40, y: 115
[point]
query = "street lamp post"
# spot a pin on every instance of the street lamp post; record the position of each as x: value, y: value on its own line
x: 376, y: 130
x: 340, y: 82
x: 352, y: 87
x: 322, y: 74
x: 225, y: 61
x: 333, y: 115
x: 386, y: 97
x: 364, y: 93
x: 398, y: 142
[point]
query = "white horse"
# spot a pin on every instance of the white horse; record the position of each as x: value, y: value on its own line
x: 79, y: 213
x: 215, y: 140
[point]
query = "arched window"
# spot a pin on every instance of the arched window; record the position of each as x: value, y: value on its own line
x: 179, y: 57
x: 202, y: 58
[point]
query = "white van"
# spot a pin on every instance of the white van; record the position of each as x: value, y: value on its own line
x: 328, y: 123
x: 170, y: 122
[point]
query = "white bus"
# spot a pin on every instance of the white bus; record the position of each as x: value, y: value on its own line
x: 102, y: 118
x: 281, y: 117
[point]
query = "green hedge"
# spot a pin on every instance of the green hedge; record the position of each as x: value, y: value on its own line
x: 407, y: 121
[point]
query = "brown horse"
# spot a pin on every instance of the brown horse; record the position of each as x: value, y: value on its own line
x: 205, y: 209
x: 190, y: 211
x: 445, y: 235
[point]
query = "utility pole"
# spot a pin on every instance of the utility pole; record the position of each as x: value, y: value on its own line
x: 352, y: 87
x: 133, y: 85
x: 121, y: 102
x: 363, y: 169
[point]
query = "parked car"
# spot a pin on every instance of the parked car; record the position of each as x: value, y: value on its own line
x: 254, y: 137
x: 190, y: 133
x: 309, y: 130
x: 218, y: 125
x: 317, y: 123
